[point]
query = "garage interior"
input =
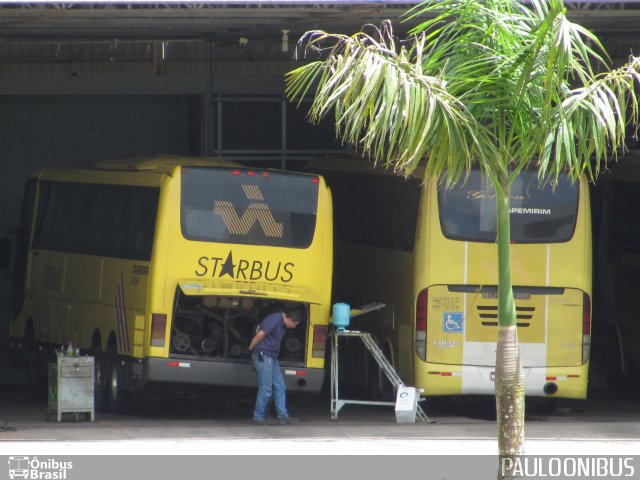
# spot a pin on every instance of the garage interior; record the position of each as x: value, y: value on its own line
x: 82, y: 82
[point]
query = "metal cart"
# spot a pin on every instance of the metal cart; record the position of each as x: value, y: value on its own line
x: 336, y: 402
x: 71, y: 388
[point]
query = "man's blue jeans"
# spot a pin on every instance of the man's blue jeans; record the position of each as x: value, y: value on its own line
x: 270, y: 383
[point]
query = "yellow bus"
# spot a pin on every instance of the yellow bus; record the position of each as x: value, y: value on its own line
x: 162, y: 268
x: 429, y: 254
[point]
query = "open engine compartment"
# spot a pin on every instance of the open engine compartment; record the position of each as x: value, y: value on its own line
x: 221, y: 327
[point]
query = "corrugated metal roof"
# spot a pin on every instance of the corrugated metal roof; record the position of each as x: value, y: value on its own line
x: 82, y: 19
x: 162, y: 20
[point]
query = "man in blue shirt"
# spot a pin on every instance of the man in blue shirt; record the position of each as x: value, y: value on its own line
x: 264, y: 348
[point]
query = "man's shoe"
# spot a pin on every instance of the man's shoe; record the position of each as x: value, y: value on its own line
x: 287, y: 420
x: 261, y: 421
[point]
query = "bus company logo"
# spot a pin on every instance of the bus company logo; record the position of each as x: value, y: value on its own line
x: 257, y: 211
x: 52, y: 277
x: 489, y: 195
x: 516, y: 296
x: 250, y: 270
x: 33, y: 468
x: 530, y: 211
x: 444, y: 344
x: 140, y: 270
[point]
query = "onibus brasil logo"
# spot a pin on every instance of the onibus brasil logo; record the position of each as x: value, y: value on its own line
x: 33, y: 468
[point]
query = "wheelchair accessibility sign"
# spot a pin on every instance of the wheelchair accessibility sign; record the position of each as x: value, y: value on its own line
x: 453, y: 322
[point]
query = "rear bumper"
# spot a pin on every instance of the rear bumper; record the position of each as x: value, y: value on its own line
x: 228, y: 374
x: 550, y: 382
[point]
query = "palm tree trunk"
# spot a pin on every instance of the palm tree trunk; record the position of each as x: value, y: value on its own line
x: 509, y: 374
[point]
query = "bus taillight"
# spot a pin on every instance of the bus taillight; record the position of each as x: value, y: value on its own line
x: 158, y: 329
x: 586, y: 327
x: 319, y: 340
x: 421, y: 324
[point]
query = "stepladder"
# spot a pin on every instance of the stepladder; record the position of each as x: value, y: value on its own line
x: 385, y: 366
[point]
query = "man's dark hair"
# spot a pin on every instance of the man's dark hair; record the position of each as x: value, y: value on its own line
x: 295, y: 314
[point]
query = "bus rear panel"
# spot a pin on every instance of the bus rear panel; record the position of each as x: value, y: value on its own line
x: 457, y: 314
x: 248, y: 242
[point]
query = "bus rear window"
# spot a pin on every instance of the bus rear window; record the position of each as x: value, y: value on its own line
x: 539, y: 213
x: 249, y: 207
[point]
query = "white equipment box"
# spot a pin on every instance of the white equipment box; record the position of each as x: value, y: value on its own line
x: 406, y: 405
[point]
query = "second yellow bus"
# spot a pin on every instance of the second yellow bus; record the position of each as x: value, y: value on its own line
x: 429, y: 254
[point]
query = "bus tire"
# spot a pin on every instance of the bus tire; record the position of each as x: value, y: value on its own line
x: 119, y: 399
x: 99, y: 379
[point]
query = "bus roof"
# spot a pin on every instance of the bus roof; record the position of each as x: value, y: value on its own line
x: 150, y: 167
x: 357, y: 164
x: 347, y: 163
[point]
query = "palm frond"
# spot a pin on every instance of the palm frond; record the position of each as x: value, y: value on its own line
x: 591, y: 123
x: 384, y: 103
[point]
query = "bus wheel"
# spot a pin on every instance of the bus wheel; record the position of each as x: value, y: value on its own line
x: 119, y: 400
x: 99, y: 380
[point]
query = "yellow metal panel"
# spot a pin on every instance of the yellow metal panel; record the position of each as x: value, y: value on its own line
x: 444, y: 346
x: 138, y: 338
x: 138, y: 335
x: 564, y: 345
x: 139, y: 325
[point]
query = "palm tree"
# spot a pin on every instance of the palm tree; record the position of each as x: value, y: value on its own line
x: 496, y: 83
